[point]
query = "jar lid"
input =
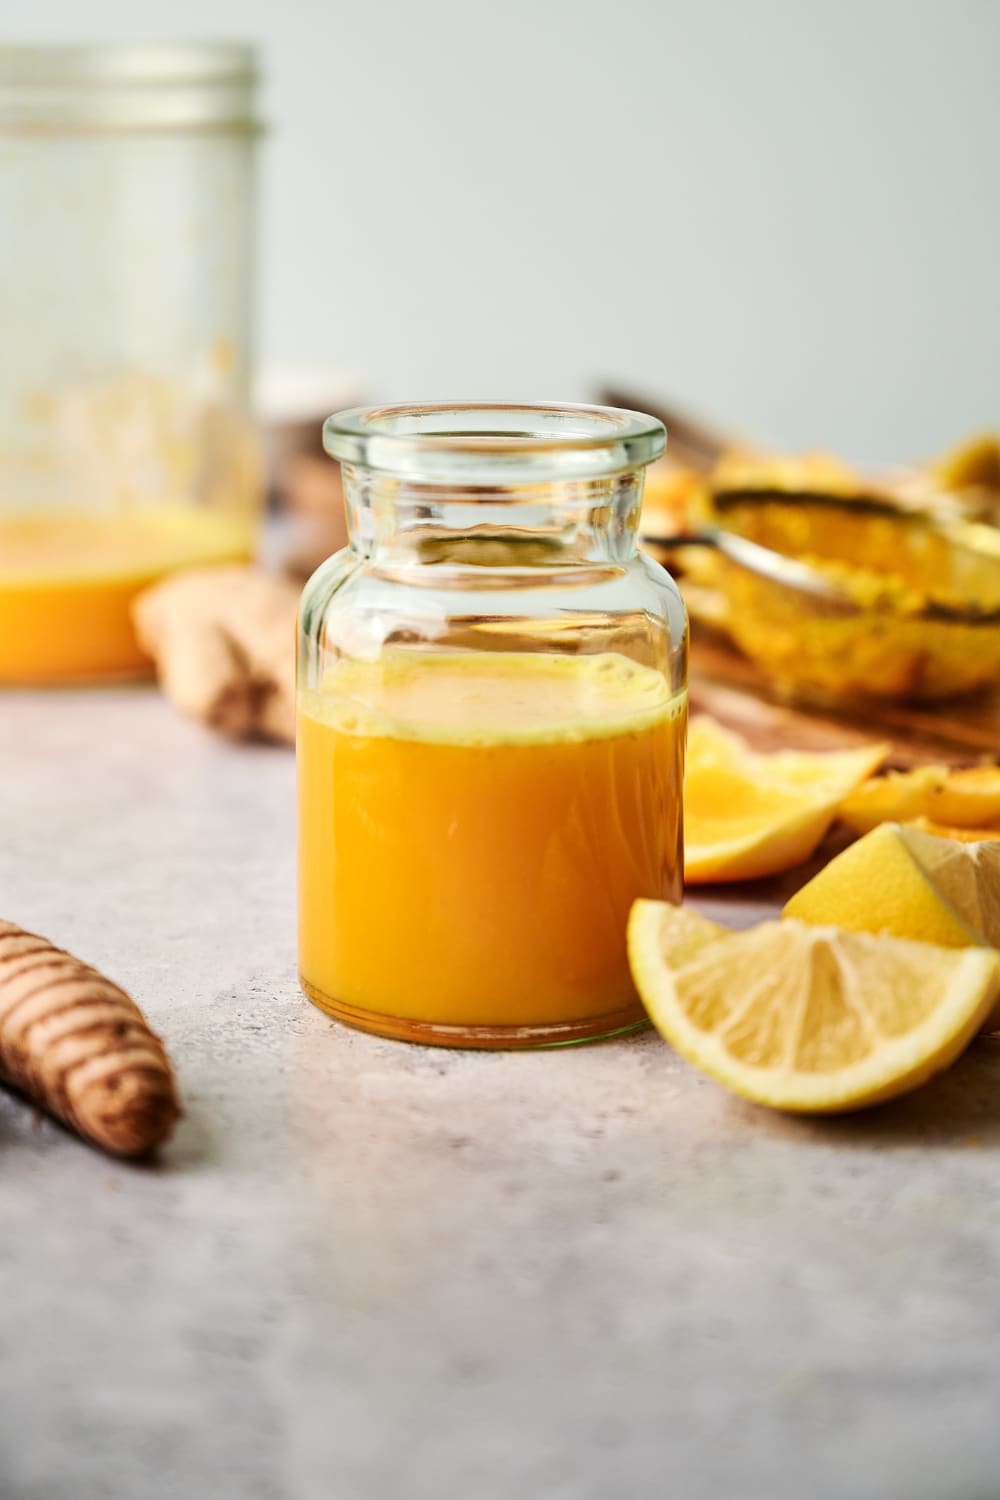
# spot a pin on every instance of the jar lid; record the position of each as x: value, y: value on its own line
x: 494, y: 442
x: 46, y: 88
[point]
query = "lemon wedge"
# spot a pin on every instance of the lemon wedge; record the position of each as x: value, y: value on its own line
x: 748, y: 815
x: 813, y: 1020
x: 910, y: 883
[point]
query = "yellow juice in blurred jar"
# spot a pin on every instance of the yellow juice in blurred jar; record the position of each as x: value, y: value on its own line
x: 67, y: 581
x: 473, y: 829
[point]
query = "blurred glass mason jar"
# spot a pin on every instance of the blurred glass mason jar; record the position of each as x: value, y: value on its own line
x: 127, y: 448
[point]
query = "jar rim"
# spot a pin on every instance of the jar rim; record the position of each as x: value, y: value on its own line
x: 41, y: 63
x: 486, y: 442
x: 51, y: 86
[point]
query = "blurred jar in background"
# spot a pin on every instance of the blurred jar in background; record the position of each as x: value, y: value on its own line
x: 126, y: 444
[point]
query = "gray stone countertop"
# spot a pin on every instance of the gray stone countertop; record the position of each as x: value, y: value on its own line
x: 366, y: 1271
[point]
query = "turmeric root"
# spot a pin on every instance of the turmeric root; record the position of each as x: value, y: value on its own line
x: 79, y: 1047
x: 223, y: 640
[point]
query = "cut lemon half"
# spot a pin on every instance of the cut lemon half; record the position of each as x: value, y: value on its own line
x: 967, y: 798
x: 812, y: 1020
x: 748, y: 815
x: 947, y: 831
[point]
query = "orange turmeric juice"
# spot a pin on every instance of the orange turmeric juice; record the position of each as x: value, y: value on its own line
x: 473, y: 831
x: 67, y: 581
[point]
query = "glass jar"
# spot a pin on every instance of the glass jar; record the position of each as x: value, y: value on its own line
x: 126, y: 447
x: 491, y: 713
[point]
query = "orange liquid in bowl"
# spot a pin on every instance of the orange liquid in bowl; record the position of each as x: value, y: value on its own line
x: 67, y: 581
x: 473, y: 830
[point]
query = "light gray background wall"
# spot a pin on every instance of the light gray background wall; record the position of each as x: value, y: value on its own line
x: 786, y: 212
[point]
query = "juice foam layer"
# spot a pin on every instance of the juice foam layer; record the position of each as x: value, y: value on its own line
x: 53, y: 547
x: 491, y: 698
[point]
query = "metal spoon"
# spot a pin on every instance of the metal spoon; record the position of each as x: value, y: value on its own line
x: 776, y: 567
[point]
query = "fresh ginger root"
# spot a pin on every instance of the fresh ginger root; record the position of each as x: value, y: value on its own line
x: 79, y: 1047
x: 223, y: 640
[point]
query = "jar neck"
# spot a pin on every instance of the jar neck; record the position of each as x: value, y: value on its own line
x: 560, y: 524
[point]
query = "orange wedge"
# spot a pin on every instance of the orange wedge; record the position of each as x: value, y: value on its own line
x: 748, y: 815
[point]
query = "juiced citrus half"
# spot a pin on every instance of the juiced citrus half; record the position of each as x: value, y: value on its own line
x: 973, y: 462
x: 893, y: 798
x: 967, y: 798
x: 949, y: 831
x: 813, y: 1020
x: 748, y: 815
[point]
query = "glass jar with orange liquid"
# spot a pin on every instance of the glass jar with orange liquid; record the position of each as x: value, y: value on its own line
x: 126, y: 444
x: 491, y: 717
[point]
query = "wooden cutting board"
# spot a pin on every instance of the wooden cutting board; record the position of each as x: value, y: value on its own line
x: 726, y: 685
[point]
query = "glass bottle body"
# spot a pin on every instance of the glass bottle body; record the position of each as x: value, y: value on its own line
x: 492, y: 696
x: 126, y: 443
